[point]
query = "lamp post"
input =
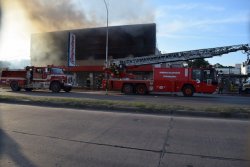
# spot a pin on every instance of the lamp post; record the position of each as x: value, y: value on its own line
x: 107, y: 43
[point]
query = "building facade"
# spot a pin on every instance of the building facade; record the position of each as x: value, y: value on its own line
x: 232, y: 77
x: 90, y: 51
x: 245, y: 68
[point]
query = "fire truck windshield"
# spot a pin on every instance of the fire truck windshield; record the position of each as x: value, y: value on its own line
x: 204, y: 75
x: 56, y: 71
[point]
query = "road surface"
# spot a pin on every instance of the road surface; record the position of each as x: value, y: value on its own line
x: 34, y: 136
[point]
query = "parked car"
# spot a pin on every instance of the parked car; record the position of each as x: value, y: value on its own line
x: 246, y: 86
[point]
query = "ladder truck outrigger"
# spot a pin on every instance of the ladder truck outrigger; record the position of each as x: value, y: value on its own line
x: 185, y: 80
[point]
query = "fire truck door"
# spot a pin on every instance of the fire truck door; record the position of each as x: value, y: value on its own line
x: 38, y: 74
x: 206, y: 81
x: 44, y: 75
x: 197, y: 78
x: 207, y: 77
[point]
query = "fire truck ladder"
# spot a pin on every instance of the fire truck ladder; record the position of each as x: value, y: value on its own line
x: 181, y: 56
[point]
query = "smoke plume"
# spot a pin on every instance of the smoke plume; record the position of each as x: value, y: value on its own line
x: 21, y: 18
x: 19, y: 64
x: 47, y: 15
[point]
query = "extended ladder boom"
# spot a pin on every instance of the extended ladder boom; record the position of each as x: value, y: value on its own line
x: 181, y: 56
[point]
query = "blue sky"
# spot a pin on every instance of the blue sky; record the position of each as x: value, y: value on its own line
x: 181, y: 24
x: 193, y: 24
x: 184, y: 24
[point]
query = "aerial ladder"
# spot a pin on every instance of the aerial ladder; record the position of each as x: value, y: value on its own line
x: 180, y: 56
x: 168, y: 79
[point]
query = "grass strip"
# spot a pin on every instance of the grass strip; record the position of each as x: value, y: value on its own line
x: 121, y: 105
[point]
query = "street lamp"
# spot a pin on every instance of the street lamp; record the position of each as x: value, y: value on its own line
x: 107, y: 33
x: 107, y: 43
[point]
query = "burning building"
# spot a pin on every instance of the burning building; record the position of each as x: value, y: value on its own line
x: 90, y: 48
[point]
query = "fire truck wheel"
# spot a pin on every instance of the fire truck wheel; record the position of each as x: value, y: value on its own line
x: 55, y: 87
x: 188, y: 90
x: 141, y: 89
x: 127, y: 89
x: 67, y: 89
x: 14, y: 86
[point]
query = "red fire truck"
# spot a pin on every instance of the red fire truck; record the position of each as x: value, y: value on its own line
x: 31, y: 77
x: 185, y: 80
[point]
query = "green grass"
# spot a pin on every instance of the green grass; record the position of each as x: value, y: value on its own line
x: 120, y: 105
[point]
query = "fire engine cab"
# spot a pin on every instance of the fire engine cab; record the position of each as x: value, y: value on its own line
x: 185, y: 80
x: 31, y: 77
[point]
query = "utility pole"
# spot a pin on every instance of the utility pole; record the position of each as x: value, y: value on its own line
x: 107, y: 43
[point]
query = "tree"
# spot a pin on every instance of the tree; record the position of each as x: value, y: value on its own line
x: 218, y: 65
x: 197, y: 63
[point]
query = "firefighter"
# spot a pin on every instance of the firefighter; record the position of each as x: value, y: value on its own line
x: 114, y: 69
x: 221, y: 87
x: 88, y: 82
x: 29, y: 74
x: 99, y: 81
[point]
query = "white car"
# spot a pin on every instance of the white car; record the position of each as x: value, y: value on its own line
x: 246, y: 86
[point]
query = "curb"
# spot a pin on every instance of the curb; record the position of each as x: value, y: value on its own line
x: 127, y: 109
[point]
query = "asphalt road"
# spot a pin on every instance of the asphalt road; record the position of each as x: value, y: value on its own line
x: 199, y: 100
x: 40, y: 136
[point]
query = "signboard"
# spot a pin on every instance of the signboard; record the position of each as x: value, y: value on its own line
x: 72, y: 50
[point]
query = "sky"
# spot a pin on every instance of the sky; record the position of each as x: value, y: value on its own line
x: 193, y: 24
x: 181, y: 24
